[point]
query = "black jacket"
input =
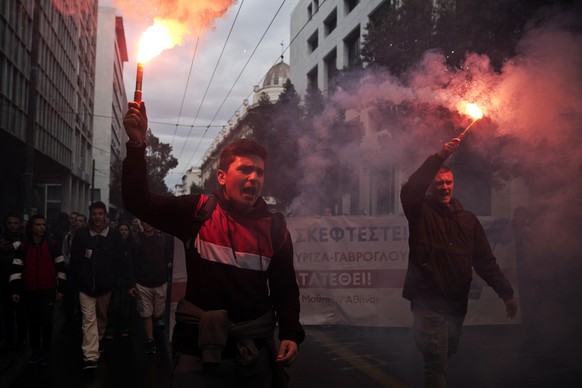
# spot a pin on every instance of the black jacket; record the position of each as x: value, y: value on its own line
x: 235, y: 265
x: 96, y: 261
x: 148, y: 265
x: 445, y: 243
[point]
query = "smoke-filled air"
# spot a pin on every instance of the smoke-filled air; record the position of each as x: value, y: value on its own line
x: 185, y: 19
x: 531, y: 129
x: 532, y: 114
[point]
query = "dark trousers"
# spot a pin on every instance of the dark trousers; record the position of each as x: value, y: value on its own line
x: 189, y: 371
x: 120, y: 311
x: 39, y: 310
x: 13, y: 319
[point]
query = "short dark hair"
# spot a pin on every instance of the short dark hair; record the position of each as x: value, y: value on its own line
x: 241, y: 147
x: 445, y: 169
x: 30, y: 223
x: 97, y: 205
x: 12, y: 215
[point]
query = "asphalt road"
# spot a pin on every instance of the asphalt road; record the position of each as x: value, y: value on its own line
x: 332, y: 356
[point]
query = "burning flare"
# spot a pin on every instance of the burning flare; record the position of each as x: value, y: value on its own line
x: 154, y: 40
x: 475, y: 112
x: 177, y: 21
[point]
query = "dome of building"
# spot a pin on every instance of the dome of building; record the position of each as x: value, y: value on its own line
x: 277, y: 75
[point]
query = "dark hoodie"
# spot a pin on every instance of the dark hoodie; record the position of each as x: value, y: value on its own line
x: 234, y: 265
x: 445, y: 243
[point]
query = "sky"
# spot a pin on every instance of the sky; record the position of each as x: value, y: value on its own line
x: 186, y: 88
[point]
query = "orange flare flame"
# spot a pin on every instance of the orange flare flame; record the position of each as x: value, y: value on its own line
x: 154, y: 40
x: 474, y: 111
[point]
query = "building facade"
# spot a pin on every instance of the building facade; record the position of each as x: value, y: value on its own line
x: 272, y: 86
x: 110, y: 102
x: 191, y: 177
x: 326, y: 37
x: 47, y: 81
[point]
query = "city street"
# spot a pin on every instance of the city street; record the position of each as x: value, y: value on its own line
x: 332, y: 356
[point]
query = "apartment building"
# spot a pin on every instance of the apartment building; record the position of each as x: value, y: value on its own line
x: 326, y: 36
x: 47, y: 68
x: 110, y: 101
x: 238, y: 128
x: 61, y: 104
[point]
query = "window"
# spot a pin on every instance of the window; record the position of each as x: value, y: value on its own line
x: 352, y: 48
x: 313, y: 42
x: 312, y: 77
x: 349, y: 5
x: 309, y: 12
x: 330, y: 23
x: 330, y: 71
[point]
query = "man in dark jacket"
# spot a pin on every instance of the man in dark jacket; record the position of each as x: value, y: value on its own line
x: 96, y: 257
x: 445, y: 243
x: 13, y: 314
x: 241, y: 280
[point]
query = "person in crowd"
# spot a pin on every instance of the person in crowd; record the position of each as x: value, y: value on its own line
x: 70, y: 300
x: 58, y: 228
x: 13, y: 314
x: 72, y: 219
x: 136, y: 227
x: 96, y: 257
x: 240, y: 276
x: 327, y: 212
x: 121, y: 305
x: 37, y: 280
x: 445, y: 243
x: 81, y: 221
x: 147, y: 279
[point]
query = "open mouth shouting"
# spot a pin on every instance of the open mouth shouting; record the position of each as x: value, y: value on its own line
x: 249, y: 192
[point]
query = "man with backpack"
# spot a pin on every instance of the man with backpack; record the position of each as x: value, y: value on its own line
x: 239, y: 257
x: 37, y: 280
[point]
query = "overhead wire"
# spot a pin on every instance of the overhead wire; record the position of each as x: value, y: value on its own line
x: 209, y: 83
x: 238, y: 77
x: 185, y: 90
x: 263, y: 77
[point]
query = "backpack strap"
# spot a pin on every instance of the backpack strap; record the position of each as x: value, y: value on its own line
x: 200, y: 218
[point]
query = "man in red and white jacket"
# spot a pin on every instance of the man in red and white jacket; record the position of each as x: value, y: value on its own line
x: 241, y: 279
x: 38, y: 278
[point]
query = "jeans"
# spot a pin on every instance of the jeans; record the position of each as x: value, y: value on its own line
x: 437, y: 337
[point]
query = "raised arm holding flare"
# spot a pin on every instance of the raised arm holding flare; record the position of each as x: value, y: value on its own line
x: 446, y: 242
x: 241, y: 280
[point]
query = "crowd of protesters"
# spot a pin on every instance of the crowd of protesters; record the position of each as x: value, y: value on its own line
x: 241, y: 281
x: 82, y: 267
